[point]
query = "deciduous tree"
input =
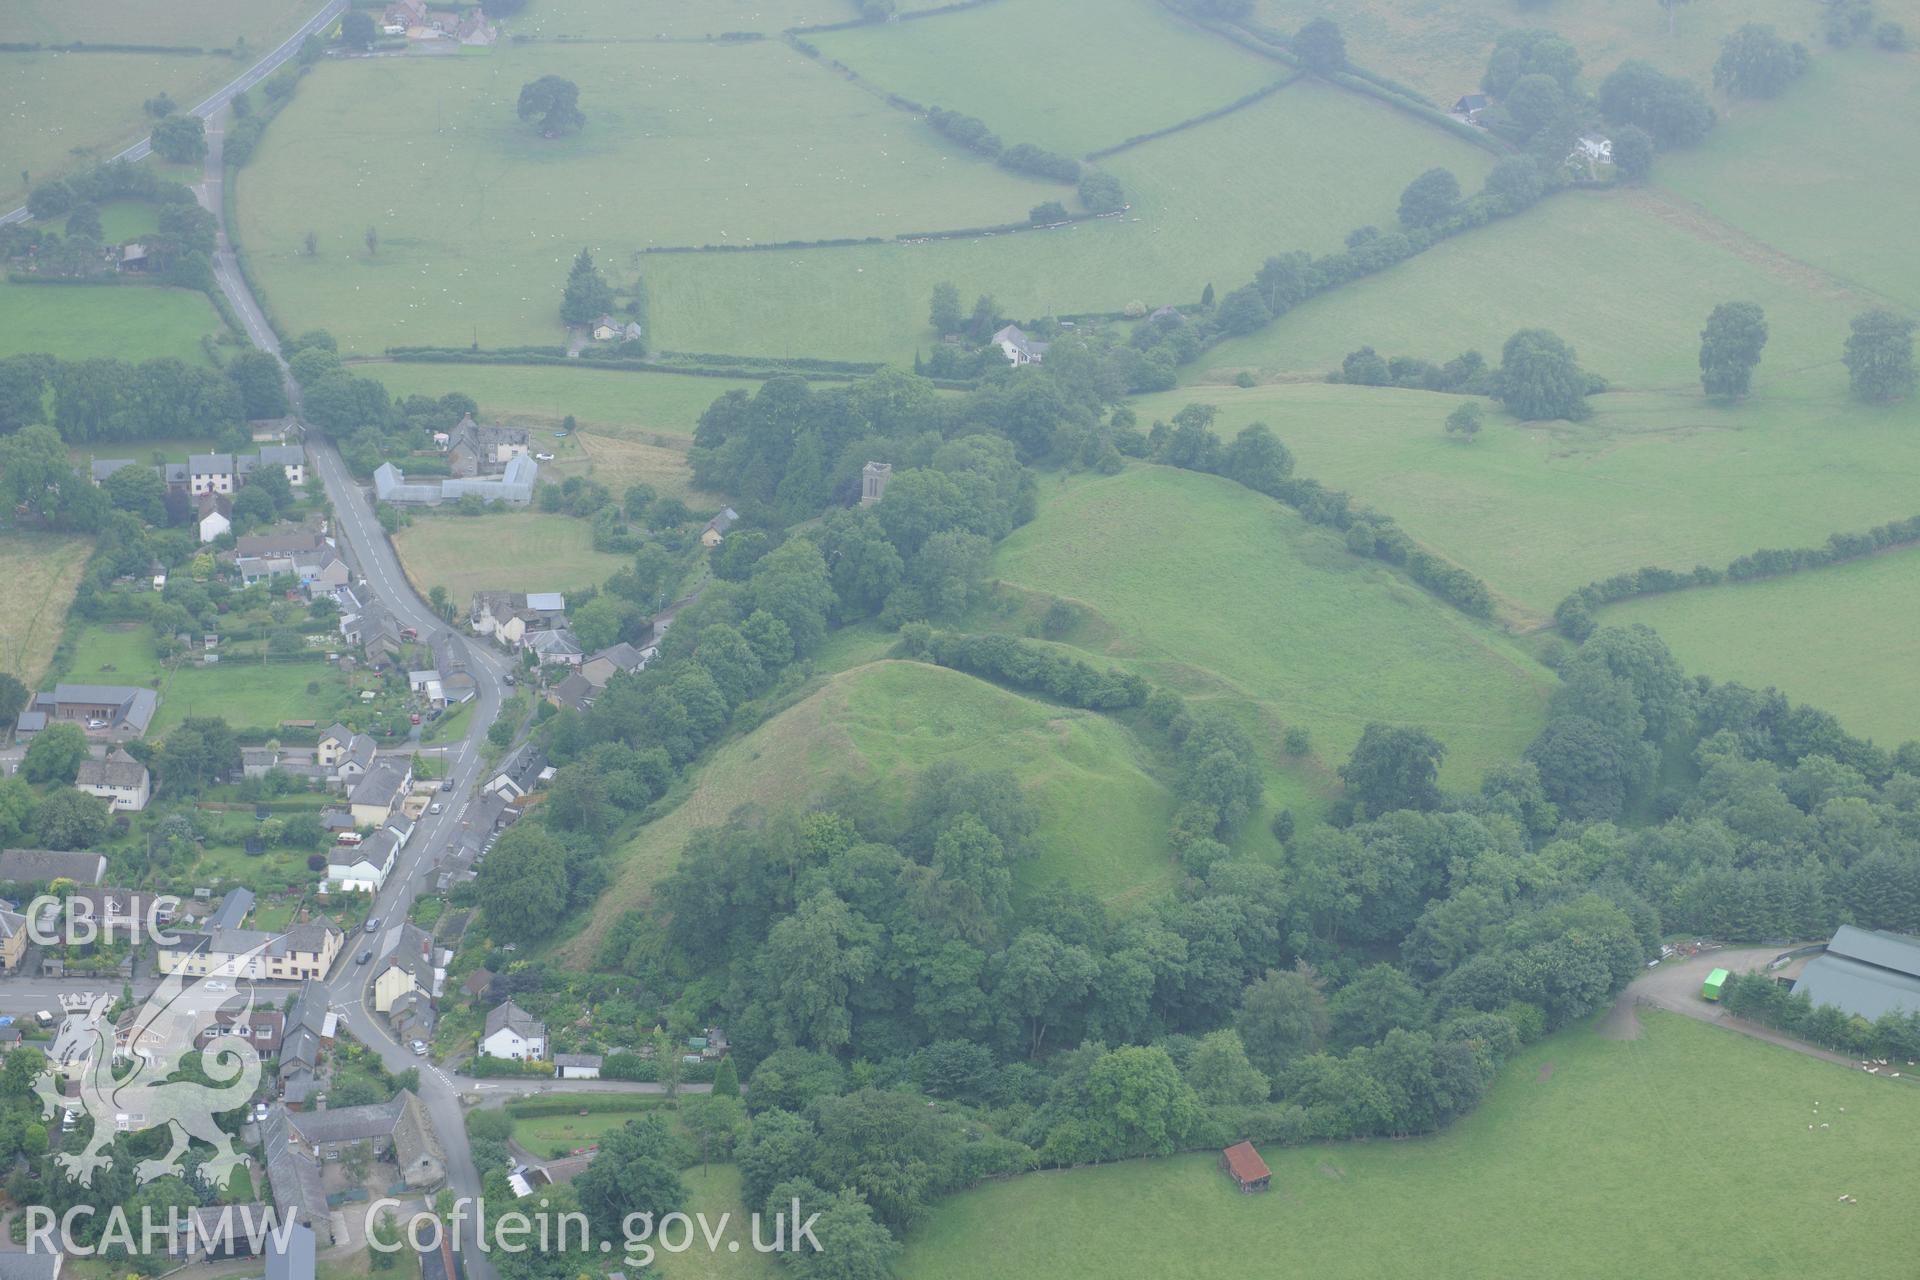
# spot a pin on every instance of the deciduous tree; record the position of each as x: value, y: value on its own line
x: 1730, y: 348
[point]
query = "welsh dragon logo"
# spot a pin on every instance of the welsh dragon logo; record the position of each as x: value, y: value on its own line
x: 130, y: 1080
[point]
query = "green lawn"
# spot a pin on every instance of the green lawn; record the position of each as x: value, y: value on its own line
x: 1103, y: 817
x: 1778, y: 171
x: 1622, y: 276
x: 602, y: 400
x: 1845, y: 639
x: 541, y: 1134
x: 479, y: 217
x: 122, y: 220
x: 39, y: 573
x: 525, y: 551
x: 1215, y: 590
x: 1440, y: 47
x: 1078, y: 76
x: 715, y: 1190
x: 1298, y: 170
x: 1689, y: 1153
x: 1538, y: 509
x: 134, y: 322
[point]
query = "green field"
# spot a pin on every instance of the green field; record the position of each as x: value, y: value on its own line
x: 1076, y: 78
x: 77, y: 322
x: 1845, y: 639
x: 1225, y: 594
x: 1825, y: 195
x: 479, y: 217
x: 1440, y: 47
x: 1625, y: 277
x: 1687, y: 1153
x: 604, y: 401
x: 39, y: 574
x: 1103, y: 818
x: 1210, y: 205
x: 525, y: 551
x: 62, y: 111
x: 123, y: 220
x: 1537, y: 510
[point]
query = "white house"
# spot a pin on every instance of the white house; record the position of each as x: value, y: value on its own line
x: 363, y: 867
x: 120, y: 780
x: 512, y: 1032
x: 214, y: 518
x: 1017, y: 347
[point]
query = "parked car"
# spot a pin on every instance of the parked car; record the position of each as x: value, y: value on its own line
x: 364, y: 956
x: 259, y: 1111
x: 446, y: 784
x: 217, y: 985
x: 409, y: 633
x: 435, y: 807
x: 414, y: 718
x: 419, y: 1048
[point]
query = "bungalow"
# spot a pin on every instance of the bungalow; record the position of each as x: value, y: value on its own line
x: 43, y: 866
x: 512, y: 1032
x: 114, y: 711
x: 363, y: 867
x: 556, y: 647
x: 1018, y: 348
x: 426, y: 686
x: 716, y: 531
x: 611, y: 661
x: 120, y: 780
x: 577, y: 1066
x: 215, y: 516
x: 284, y: 542
x: 606, y: 329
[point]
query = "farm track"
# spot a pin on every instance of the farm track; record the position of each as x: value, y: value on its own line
x: 1684, y: 215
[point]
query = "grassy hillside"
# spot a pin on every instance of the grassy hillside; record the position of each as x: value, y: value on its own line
x: 1211, y: 588
x: 1626, y: 277
x: 1686, y: 1153
x: 1298, y: 170
x: 525, y: 551
x: 77, y: 322
x: 1079, y: 76
x: 1845, y: 638
x: 1103, y: 817
x: 1538, y: 509
x: 39, y: 573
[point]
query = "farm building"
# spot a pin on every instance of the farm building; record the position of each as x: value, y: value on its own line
x: 1866, y: 972
x: 1244, y: 1165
